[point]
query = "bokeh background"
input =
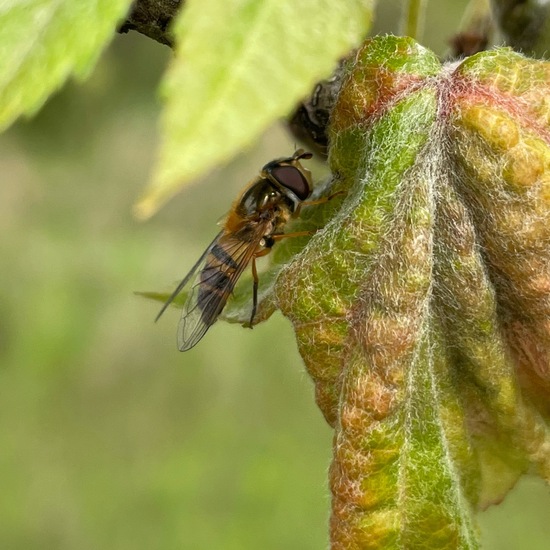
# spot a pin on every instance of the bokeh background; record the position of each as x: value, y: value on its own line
x: 109, y: 437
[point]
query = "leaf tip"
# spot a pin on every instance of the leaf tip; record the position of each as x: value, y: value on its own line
x: 145, y: 208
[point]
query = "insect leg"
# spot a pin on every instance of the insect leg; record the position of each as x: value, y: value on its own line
x: 256, y: 280
x: 322, y: 200
x: 254, y: 290
x: 315, y: 202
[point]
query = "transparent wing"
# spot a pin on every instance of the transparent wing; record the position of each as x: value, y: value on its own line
x: 189, y: 276
x: 214, y: 282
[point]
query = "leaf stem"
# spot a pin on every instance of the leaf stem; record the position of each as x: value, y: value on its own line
x: 413, y: 18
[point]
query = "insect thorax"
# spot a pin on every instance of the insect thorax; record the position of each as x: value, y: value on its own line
x: 263, y: 196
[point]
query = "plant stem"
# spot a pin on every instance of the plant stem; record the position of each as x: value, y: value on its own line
x: 413, y: 18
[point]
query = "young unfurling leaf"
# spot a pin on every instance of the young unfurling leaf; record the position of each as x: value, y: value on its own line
x: 422, y: 309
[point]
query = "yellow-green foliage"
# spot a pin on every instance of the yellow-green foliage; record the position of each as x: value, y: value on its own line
x: 267, y: 55
x: 43, y: 43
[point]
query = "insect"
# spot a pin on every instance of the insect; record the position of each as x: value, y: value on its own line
x: 255, y: 222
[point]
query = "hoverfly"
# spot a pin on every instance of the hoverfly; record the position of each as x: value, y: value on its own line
x: 255, y: 222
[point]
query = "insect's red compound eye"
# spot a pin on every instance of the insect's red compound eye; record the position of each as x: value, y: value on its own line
x: 291, y: 178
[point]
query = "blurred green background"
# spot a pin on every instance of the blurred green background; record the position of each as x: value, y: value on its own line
x: 110, y: 438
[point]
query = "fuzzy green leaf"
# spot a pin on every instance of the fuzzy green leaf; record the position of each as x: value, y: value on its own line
x: 43, y: 42
x: 421, y: 310
x: 239, y: 65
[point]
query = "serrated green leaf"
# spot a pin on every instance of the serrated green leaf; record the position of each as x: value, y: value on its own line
x: 239, y: 65
x: 43, y: 42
